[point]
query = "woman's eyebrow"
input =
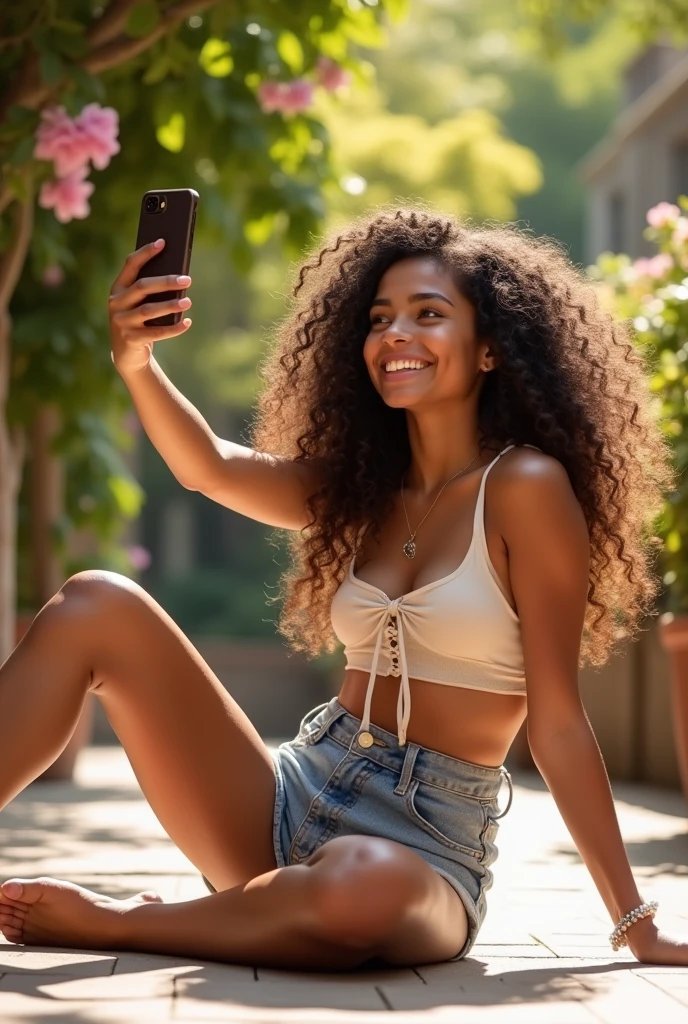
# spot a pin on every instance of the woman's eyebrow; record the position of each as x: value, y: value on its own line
x: 413, y: 298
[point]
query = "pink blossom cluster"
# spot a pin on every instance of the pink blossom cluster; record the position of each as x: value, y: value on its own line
x: 332, y: 76
x: 289, y: 97
x: 654, y: 267
x: 73, y: 144
x: 662, y: 214
x: 297, y: 95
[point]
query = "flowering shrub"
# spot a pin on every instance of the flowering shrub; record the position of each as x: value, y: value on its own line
x: 653, y: 293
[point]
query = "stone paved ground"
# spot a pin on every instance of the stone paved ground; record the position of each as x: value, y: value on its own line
x: 543, y: 955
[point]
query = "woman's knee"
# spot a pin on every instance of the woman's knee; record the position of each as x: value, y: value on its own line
x: 93, y: 587
x: 364, y: 889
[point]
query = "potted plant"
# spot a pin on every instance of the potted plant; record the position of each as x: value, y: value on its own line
x: 654, y: 293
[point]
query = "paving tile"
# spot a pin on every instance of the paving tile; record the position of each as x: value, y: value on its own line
x: 479, y: 1007
x: 16, y: 1008
x: 533, y: 949
x: 632, y: 997
x: 134, y: 986
x: 129, y: 963
x: 369, y: 975
x: 206, y: 997
x: 15, y: 960
x: 674, y: 985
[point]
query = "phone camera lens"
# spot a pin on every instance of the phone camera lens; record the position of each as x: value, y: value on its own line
x: 151, y: 204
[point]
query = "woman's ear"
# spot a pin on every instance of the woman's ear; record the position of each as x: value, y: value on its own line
x: 489, y: 361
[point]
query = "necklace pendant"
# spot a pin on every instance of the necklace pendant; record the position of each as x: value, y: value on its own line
x: 410, y: 549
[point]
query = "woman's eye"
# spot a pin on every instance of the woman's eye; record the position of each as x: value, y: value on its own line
x: 423, y: 312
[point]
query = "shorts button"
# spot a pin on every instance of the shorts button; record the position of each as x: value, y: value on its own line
x: 365, y: 740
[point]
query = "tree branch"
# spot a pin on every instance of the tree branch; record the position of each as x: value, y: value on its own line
x: 29, y: 91
x: 124, y: 47
x: 111, y: 23
x: 12, y: 261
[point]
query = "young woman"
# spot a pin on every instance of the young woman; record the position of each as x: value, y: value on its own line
x: 462, y: 443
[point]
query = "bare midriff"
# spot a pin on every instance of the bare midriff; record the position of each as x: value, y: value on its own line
x: 472, y: 725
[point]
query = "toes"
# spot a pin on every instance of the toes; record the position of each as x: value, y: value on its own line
x: 22, y: 890
x: 12, y: 925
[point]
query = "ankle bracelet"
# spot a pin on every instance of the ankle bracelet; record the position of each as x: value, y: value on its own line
x: 617, y: 937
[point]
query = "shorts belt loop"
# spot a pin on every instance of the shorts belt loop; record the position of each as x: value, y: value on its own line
x: 332, y: 714
x: 511, y: 794
x: 407, y: 770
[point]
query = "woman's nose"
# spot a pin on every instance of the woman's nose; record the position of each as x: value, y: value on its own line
x: 398, y: 329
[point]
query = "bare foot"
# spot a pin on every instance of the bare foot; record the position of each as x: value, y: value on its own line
x: 51, y: 912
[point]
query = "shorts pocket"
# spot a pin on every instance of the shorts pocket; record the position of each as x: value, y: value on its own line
x: 453, y: 820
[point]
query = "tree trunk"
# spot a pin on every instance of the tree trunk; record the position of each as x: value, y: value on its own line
x: 12, y: 441
x: 11, y: 464
x: 47, y: 505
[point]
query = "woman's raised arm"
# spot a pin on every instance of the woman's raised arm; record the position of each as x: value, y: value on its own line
x: 264, y: 487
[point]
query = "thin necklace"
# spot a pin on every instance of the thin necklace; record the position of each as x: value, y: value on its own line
x: 409, y: 547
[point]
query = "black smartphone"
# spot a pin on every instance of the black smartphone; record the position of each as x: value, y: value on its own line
x: 169, y: 214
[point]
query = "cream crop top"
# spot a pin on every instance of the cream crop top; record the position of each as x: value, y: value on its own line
x: 459, y: 630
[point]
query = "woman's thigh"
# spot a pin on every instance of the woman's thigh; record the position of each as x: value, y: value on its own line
x: 200, y: 762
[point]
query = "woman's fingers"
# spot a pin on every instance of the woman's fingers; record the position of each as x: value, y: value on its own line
x: 133, y: 263
x: 148, y: 311
x: 141, y: 336
x: 136, y: 292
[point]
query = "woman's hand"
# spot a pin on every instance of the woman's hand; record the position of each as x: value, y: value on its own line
x: 654, y: 947
x: 132, y: 343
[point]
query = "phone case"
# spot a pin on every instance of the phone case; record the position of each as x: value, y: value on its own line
x: 174, y: 220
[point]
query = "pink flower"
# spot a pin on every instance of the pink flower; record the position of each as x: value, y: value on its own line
x: 656, y: 267
x: 270, y: 96
x: 680, y: 231
x: 72, y: 143
x: 299, y: 95
x: 100, y: 125
x: 59, y: 139
x: 662, y: 214
x: 285, y: 96
x: 139, y: 557
x: 53, y: 276
x: 68, y: 197
x: 331, y: 75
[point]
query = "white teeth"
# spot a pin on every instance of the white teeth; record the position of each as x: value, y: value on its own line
x: 404, y: 364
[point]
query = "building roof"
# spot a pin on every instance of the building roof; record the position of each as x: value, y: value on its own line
x: 670, y: 89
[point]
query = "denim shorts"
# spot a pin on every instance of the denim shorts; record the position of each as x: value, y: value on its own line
x: 444, y: 809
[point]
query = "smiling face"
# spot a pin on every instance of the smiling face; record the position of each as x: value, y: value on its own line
x: 419, y: 314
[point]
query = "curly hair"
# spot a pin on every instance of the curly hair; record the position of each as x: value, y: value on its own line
x: 568, y: 380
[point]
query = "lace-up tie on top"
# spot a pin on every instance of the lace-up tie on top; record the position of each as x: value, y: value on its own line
x: 458, y: 631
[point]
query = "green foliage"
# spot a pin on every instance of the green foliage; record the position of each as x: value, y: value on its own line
x: 456, y: 63
x: 464, y: 164
x: 654, y: 295
x: 557, y: 22
x: 215, y: 603
x: 189, y: 116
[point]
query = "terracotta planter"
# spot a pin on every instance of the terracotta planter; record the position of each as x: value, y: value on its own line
x: 63, y: 766
x: 673, y: 635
